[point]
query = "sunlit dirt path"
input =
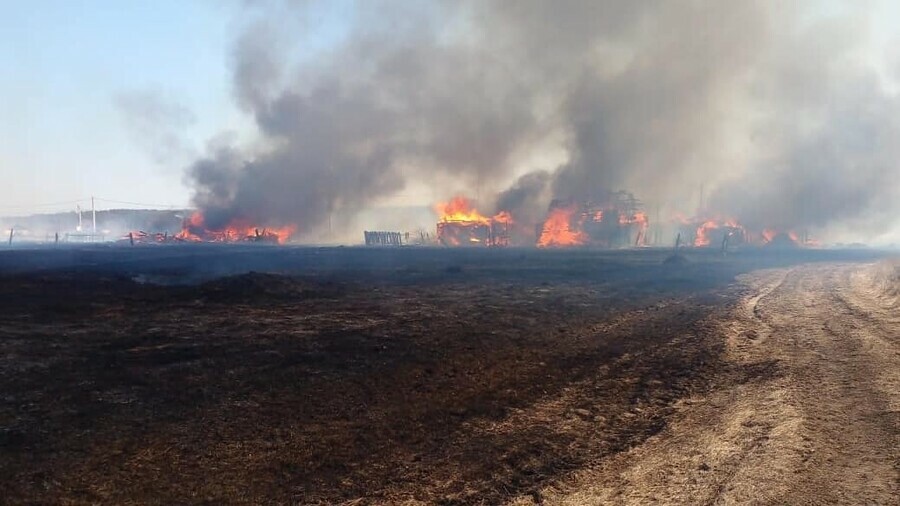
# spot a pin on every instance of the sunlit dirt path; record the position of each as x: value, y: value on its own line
x: 806, y: 412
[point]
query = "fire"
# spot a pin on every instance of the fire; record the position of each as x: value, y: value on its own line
x: 195, y: 230
x: 636, y: 218
x: 460, y: 224
x: 558, y: 228
x: 640, y: 220
x: 503, y: 217
x: 703, y: 236
x: 790, y: 237
x: 616, y: 221
x: 459, y: 209
x: 709, y: 232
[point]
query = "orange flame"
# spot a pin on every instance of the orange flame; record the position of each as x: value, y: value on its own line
x: 459, y: 209
x: 770, y: 235
x: 503, y: 217
x: 702, y: 236
x: 460, y: 223
x: 195, y: 230
x: 558, y: 229
x: 640, y: 219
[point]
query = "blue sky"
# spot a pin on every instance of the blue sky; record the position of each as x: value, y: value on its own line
x: 64, y: 62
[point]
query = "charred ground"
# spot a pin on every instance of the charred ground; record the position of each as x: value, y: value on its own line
x: 323, y: 375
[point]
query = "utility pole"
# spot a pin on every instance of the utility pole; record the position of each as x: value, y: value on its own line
x: 94, y: 219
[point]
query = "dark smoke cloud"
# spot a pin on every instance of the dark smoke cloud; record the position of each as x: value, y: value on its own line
x: 336, y: 138
x: 775, y: 114
x: 527, y: 200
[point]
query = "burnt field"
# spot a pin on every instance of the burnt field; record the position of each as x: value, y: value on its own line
x: 327, y: 375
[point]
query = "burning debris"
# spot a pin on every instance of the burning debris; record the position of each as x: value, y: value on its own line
x: 460, y: 224
x: 617, y: 221
x: 729, y: 232
x: 195, y: 230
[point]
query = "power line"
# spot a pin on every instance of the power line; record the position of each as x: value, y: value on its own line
x: 48, y: 204
x: 87, y: 200
x: 111, y: 201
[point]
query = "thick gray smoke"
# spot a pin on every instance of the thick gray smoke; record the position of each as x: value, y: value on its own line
x: 526, y: 200
x: 826, y: 145
x: 773, y: 109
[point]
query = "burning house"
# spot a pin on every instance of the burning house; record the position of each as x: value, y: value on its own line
x: 460, y: 224
x: 616, y: 221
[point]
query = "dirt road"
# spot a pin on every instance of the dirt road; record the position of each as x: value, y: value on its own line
x: 807, y: 411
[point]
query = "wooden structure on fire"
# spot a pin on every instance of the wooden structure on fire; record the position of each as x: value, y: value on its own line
x: 488, y: 233
x: 616, y: 220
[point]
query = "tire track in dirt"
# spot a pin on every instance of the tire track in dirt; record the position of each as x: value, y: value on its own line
x: 835, y: 374
x: 805, y: 411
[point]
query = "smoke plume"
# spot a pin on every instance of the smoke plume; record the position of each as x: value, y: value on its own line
x: 158, y: 124
x: 776, y: 110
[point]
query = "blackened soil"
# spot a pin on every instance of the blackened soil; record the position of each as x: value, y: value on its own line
x: 417, y: 383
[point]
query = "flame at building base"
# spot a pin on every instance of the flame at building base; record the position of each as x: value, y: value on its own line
x: 562, y: 228
x: 195, y: 230
x: 460, y: 224
x: 615, y: 222
x: 729, y: 232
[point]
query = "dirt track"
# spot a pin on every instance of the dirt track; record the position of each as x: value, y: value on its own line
x: 821, y: 425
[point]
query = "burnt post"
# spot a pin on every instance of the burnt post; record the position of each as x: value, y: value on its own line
x: 131, y: 238
x: 11, y: 230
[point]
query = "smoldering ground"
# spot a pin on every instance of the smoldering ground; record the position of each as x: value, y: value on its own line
x: 779, y: 111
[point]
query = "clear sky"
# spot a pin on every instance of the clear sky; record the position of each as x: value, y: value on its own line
x: 64, y: 63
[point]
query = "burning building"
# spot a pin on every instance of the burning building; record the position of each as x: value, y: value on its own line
x: 616, y: 221
x: 460, y: 224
